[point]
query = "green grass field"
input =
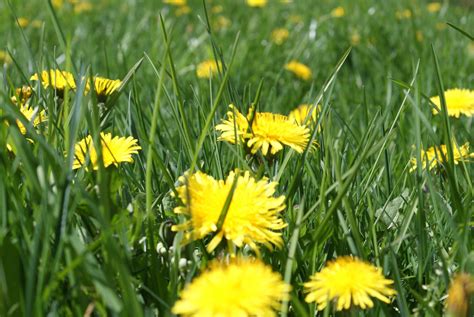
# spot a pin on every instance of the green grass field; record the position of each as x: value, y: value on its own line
x: 99, y: 240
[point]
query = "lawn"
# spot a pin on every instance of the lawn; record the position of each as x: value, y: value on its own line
x: 256, y: 158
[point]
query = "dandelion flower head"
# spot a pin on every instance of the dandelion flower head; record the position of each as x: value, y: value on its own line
x: 348, y: 281
x: 56, y: 79
x: 208, y: 69
x: 253, y: 216
x: 458, y: 101
x: 459, y: 294
x: 115, y: 150
x: 257, y: 3
x: 433, y: 156
x: 299, y: 70
x: 241, y: 288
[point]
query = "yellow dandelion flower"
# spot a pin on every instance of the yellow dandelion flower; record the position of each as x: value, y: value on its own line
x: 231, y: 127
x: 355, y: 38
x: 217, y: 9
x: 105, y: 87
x: 176, y: 2
x: 338, y: 12
x: 57, y: 79
x: 432, y: 157
x: 301, y: 114
x: 348, y: 281
x: 5, y: 58
x: 403, y: 14
x: 221, y: 23
x: 183, y: 10
x: 458, y: 101
x: 257, y: 3
x: 252, y: 217
x: 114, y: 150
x: 299, y: 70
x: 23, y: 22
x: 271, y: 131
x: 242, y: 287
x: 433, y: 7
x: 279, y: 36
x: 459, y: 295
x: 57, y: 3
x: 33, y: 115
x: 208, y: 69
x: 84, y: 6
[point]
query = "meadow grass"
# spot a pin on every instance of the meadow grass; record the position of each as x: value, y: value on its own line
x: 84, y: 243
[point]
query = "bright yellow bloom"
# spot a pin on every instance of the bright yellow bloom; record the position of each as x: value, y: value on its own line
x: 241, y: 288
x: 301, y: 114
x: 269, y: 131
x: 23, y: 22
x: 83, y: 6
x: 183, y: 10
x: 404, y: 14
x: 57, y: 79
x: 459, y: 294
x: 433, y: 7
x: 300, y: 70
x: 114, y: 151
x: 348, y: 281
x: 5, y: 58
x: 458, y: 101
x: 252, y: 217
x: 176, y: 2
x: 57, y: 3
x: 432, y: 157
x: 257, y: 3
x: 105, y: 87
x: 230, y: 127
x: 338, y: 12
x: 208, y: 69
x: 279, y: 36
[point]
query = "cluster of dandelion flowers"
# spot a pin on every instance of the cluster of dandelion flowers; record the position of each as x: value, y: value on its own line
x: 300, y: 70
x: 433, y: 156
x: 252, y: 217
x: 269, y: 132
x: 459, y: 295
x: 58, y: 80
x: 115, y: 150
x: 348, y: 281
x: 243, y: 287
x: 458, y: 101
x: 208, y: 69
x: 33, y: 114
